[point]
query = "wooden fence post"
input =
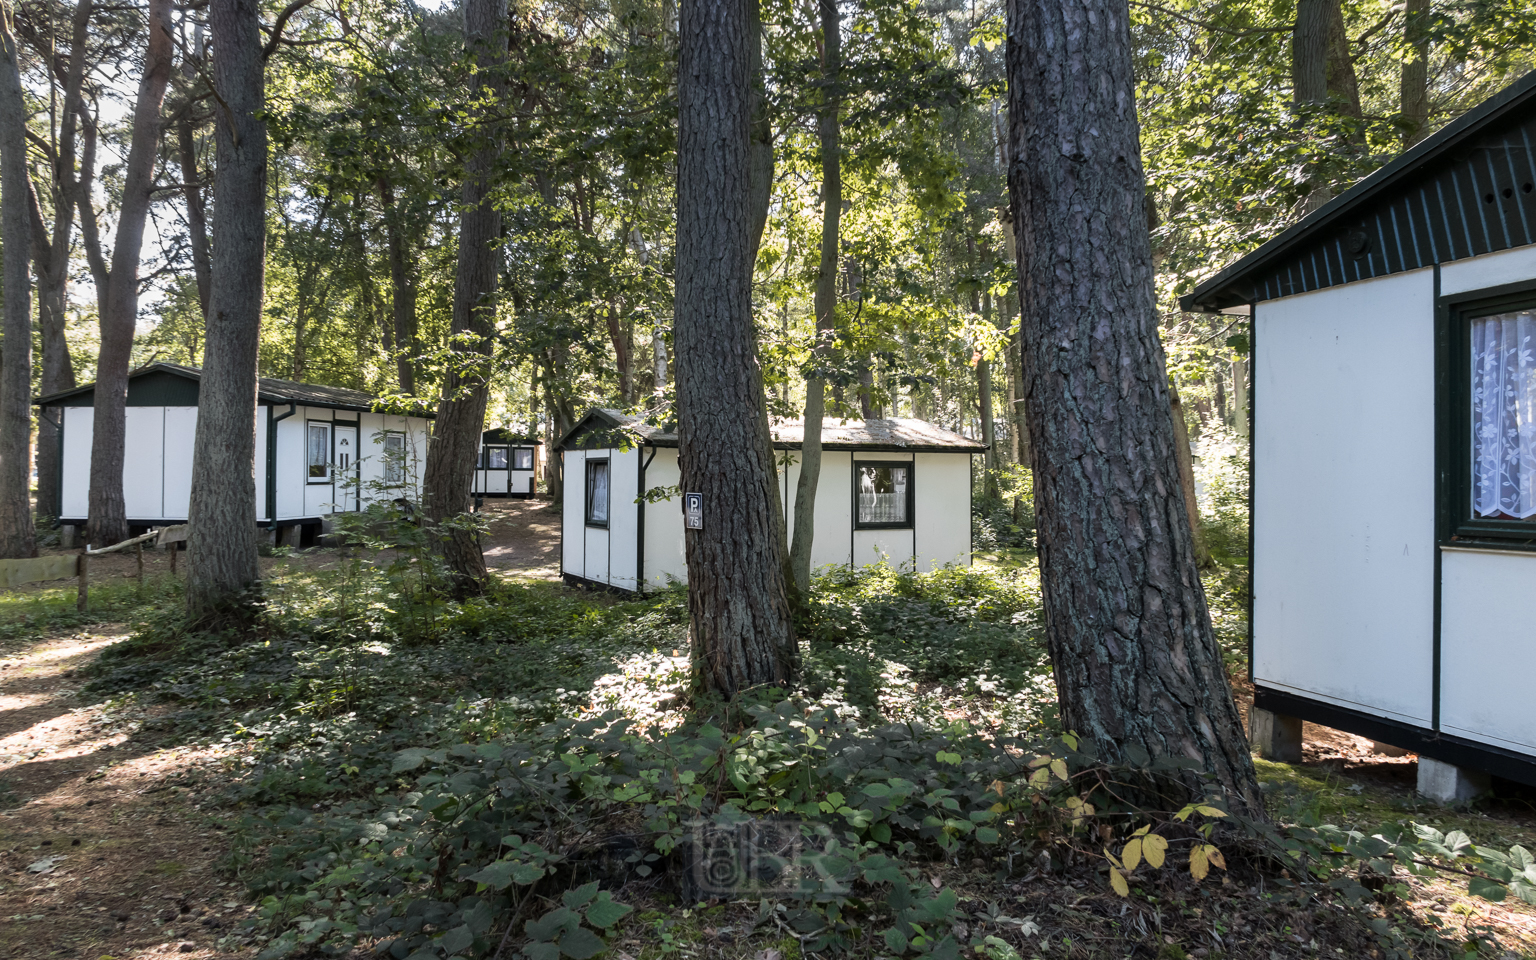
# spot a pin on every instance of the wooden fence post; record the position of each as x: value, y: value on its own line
x: 138, y: 550
x: 82, y: 568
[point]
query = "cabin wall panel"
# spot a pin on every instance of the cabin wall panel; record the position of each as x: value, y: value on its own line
x: 144, y: 463
x: 623, y: 517
x: 180, y: 442
x: 78, y: 422
x: 1343, y: 512
x: 289, y: 472
x: 573, y: 540
x: 1485, y: 647
x: 1489, y: 270
x: 262, y: 509
x: 664, y: 546
x: 942, y: 515
x: 319, y: 498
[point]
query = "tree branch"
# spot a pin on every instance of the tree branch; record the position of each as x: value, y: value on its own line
x: 277, y: 28
x: 1206, y: 25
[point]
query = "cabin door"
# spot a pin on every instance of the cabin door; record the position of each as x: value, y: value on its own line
x: 347, y: 491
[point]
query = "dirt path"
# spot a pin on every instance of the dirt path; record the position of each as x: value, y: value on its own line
x: 104, y: 848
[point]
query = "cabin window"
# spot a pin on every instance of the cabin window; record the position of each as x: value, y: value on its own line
x: 522, y: 458
x: 495, y: 458
x: 1503, y: 429
x: 394, y: 459
x: 317, y: 449
x: 883, y: 494
x: 597, y: 493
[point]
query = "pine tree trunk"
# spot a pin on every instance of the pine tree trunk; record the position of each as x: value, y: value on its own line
x: 17, y: 537
x: 1414, y: 87
x: 1309, y: 74
x: 1186, y: 458
x: 197, y: 219
x: 52, y: 264
x: 829, y: 129
x: 738, y: 602
x: 1136, y: 663
x: 108, y: 522
x: 455, y: 445
x: 761, y: 150
x: 402, y: 292
x: 1342, y: 83
x: 221, y: 535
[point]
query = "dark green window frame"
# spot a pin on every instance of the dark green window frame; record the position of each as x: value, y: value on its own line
x: 909, y: 522
x: 1458, y: 526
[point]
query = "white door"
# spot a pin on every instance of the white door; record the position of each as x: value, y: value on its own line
x: 346, y: 468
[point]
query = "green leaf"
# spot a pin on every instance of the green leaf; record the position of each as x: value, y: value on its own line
x: 581, y: 944
x: 541, y: 951
x: 500, y: 874
x: 986, y: 834
x: 456, y: 939
x: 1487, y: 889
x: 582, y: 895
x: 549, y: 926
x: 895, y: 941
x: 1456, y: 840
x: 605, y: 912
x: 410, y: 759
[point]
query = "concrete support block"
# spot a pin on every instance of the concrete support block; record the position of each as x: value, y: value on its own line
x: 68, y: 533
x: 1275, y: 736
x: 1446, y: 783
x: 1387, y: 750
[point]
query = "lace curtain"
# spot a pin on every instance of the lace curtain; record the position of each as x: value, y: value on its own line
x: 883, y: 495
x: 1504, y: 416
x: 597, y: 491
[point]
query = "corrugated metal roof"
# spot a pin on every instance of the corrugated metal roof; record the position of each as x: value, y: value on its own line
x: 892, y: 433
x: 269, y: 389
x: 1468, y: 190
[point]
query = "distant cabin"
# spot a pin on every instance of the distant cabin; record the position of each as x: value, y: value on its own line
x: 508, y: 465
x: 319, y: 450
x: 1394, y: 450
x: 897, y: 490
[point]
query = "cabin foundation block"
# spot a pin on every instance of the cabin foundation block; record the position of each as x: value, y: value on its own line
x: 1387, y: 750
x: 1275, y: 736
x: 67, y: 534
x: 1447, y: 783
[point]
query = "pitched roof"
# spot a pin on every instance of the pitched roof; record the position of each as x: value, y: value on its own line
x: 268, y: 389
x: 1465, y: 191
x: 892, y: 433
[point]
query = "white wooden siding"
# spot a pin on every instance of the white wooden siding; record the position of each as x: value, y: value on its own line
x: 1487, y: 657
x: 1488, y: 270
x: 942, y: 516
x: 573, y: 541
x: 77, y: 461
x: 664, y: 548
x: 1344, y: 510
x: 623, y: 518
x: 144, y: 463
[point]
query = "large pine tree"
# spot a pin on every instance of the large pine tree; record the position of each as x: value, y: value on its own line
x: 1137, y: 665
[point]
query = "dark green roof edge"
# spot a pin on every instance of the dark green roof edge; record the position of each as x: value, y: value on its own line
x: 1313, y: 227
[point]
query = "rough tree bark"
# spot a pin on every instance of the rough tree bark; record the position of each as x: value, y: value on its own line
x: 402, y: 290
x: 461, y: 411
x: 197, y: 218
x: 221, y: 535
x: 829, y: 129
x: 1342, y: 82
x: 17, y: 537
x: 50, y: 256
x: 1309, y: 73
x: 1137, y: 666
x: 1414, y: 86
x: 108, y: 523
x: 1186, y: 458
x: 738, y: 602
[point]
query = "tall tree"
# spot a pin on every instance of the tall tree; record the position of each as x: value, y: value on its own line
x: 51, y: 253
x: 829, y: 131
x: 1136, y: 662
x: 1414, y: 80
x: 738, y: 601
x: 16, y: 533
x: 461, y: 411
x: 108, y: 521
x: 221, y: 540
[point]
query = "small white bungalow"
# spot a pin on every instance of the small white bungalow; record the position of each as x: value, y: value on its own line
x: 319, y: 450
x: 508, y: 465
x: 897, y: 490
x: 1394, y: 455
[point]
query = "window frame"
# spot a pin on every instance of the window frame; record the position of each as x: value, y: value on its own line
x: 512, y: 459
x: 587, y: 492
x: 486, y: 460
x: 1459, y: 526
x: 384, y: 461
x: 910, y: 522
x: 330, y: 462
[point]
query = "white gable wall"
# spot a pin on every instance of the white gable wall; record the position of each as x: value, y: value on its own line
x: 1344, y: 510
x: 664, y: 556
x: 942, y: 519
x: 573, y: 542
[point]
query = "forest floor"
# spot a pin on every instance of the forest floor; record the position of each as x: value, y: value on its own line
x: 119, y: 837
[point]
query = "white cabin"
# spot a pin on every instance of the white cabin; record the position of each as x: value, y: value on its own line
x: 897, y: 490
x: 1394, y: 450
x: 508, y: 465
x: 319, y: 450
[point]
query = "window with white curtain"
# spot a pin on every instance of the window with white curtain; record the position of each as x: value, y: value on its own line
x: 884, y: 492
x: 1504, y: 416
x: 597, y: 493
x: 394, y: 458
x: 317, y: 449
x: 522, y: 458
